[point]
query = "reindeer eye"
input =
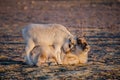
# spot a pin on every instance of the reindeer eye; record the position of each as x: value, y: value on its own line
x: 69, y: 46
x: 85, y: 44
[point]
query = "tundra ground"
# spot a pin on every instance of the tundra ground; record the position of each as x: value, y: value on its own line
x: 98, y: 21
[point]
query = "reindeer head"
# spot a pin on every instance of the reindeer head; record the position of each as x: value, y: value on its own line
x: 82, y: 43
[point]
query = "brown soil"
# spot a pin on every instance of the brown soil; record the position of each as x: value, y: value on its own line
x: 98, y: 21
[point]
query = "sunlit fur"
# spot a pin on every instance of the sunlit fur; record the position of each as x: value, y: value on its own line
x: 79, y: 55
x: 46, y: 35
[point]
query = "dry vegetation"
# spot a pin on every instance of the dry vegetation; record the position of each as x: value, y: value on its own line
x: 97, y: 20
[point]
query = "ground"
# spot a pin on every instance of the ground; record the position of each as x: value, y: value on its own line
x: 97, y: 20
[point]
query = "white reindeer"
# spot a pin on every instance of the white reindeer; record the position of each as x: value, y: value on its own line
x: 46, y: 35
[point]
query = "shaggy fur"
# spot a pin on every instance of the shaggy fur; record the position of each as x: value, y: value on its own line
x: 46, y: 35
x: 79, y: 55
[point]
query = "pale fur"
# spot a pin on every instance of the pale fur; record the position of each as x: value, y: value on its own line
x: 79, y: 55
x: 44, y: 55
x: 46, y: 35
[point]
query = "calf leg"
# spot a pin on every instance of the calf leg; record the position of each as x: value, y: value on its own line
x: 30, y: 45
x: 42, y: 59
x: 57, y: 54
